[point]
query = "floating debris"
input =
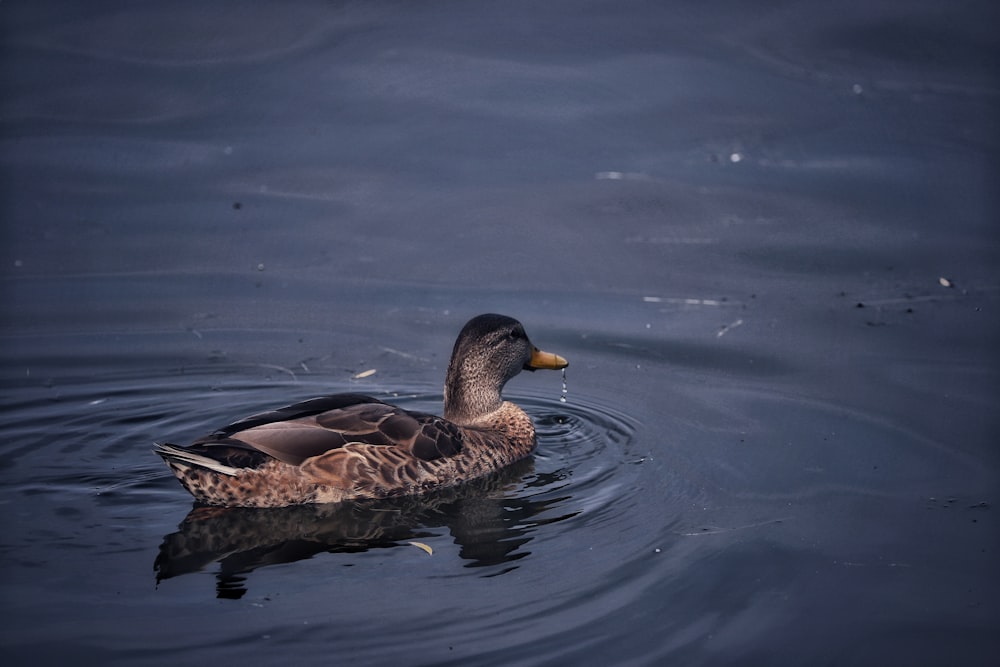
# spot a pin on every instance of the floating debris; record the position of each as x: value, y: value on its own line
x: 621, y: 176
x: 424, y: 547
x: 944, y: 282
x: 685, y: 302
x: 365, y: 374
x: 728, y: 327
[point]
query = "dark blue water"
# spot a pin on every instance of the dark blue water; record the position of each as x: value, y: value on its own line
x: 765, y: 237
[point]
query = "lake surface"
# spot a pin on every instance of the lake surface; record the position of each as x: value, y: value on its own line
x: 764, y: 235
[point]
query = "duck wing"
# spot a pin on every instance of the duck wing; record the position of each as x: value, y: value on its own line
x: 315, y: 427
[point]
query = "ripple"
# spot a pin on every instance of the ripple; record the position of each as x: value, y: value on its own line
x: 584, y: 447
x: 577, y: 478
x: 574, y: 477
x: 601, y: 523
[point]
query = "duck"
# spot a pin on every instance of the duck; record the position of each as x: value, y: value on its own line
x: 354, y: 447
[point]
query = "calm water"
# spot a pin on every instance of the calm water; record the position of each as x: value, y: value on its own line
x: 765, y: 237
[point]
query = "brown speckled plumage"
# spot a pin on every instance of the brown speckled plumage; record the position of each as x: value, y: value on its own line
x: 350, y: 446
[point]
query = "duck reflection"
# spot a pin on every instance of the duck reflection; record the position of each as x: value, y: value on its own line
x: 489, y: 527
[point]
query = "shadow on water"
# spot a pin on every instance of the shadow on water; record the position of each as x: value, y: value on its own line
x: 490, y: 526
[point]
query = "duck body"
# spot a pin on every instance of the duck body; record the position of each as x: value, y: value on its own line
x: 352, y: 447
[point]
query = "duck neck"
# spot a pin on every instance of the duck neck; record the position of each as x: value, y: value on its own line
x: 467, y: 401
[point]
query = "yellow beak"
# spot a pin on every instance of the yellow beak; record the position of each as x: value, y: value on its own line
x: 545, y: 360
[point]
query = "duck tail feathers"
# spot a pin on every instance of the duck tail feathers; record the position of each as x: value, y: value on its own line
x: 179, y: 456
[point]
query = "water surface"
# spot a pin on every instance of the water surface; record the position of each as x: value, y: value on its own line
x: 764, y: 237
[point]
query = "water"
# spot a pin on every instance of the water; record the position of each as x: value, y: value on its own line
x: 779, y: 443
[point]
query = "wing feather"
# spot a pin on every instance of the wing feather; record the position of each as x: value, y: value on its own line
x: 315, y: 427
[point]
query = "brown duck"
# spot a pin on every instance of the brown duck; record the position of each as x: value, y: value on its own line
x: 351, y: 447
